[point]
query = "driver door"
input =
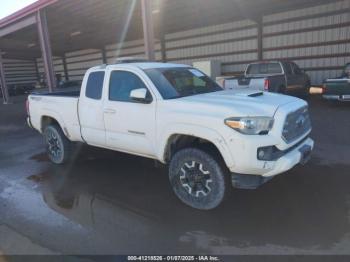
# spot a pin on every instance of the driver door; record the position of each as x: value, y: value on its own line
x: 292, y: 83
x: 299, y: 77
x: 130, y: 125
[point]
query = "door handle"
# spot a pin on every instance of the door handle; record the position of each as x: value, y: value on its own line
x: 109, y: 111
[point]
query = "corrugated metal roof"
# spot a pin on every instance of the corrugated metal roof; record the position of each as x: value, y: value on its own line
x: 92, y: 24
x: 30, y: 9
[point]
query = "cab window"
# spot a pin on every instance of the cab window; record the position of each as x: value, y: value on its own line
x: 122, y: 83
x: 346, y: 72
x: 264, y: 68
x: 94, y: 85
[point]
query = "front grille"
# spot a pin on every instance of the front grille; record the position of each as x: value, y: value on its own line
x: 296, y: 125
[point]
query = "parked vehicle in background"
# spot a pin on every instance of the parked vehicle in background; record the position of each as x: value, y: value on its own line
x: 27, y: 88
x: 20, y: 89
x: 273, y: 76
x: 70, y: 84
x: 338, y: 89
x: 209, y: 137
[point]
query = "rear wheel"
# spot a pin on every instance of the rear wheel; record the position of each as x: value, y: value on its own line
x: 57, y: 145
x: 198, y: 179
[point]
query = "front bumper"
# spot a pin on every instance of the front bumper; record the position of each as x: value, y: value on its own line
x: 247, y: 162
x: 300, y: 154
x: 290, y: 159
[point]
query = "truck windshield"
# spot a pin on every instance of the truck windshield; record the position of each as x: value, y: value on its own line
x: 264, y: 68
x: 180, y: 82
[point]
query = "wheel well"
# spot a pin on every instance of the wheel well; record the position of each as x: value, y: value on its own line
x: 179, y: 141
x: 47, y: 120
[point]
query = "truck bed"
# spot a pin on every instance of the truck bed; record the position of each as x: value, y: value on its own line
x: 66, y: 93
x: 59, y: 105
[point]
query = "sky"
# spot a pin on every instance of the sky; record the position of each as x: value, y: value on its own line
x: 8, y: 7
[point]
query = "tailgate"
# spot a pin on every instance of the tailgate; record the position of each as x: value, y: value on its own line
x: 254, y: 83
x: 337, y: 87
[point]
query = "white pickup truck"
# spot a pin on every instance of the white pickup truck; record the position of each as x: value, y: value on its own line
x: 209, y: 137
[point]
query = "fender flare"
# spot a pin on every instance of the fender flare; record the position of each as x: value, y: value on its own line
x: 56, y: 116
x: 196, y: 131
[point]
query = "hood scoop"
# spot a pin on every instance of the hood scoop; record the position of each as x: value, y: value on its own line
x: 248, y: 93
x: 256, y: 94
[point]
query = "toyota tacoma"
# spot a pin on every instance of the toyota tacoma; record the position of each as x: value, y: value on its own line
x: 208, y: 137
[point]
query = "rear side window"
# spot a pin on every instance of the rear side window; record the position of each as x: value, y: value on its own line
x: 288, y: 68
x: 274, y: 68
x: 253, y: 69
x: 346, y: 72
x: 122, y: 83
x: 264, y: 68
x: 296, y: 69
x: 94, y: 85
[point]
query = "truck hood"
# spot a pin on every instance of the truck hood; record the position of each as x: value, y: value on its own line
x: 238, y: 102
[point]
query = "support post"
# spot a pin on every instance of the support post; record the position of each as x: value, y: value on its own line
x: 3, y: 84
x: 148, y: 31
x: 163, y: 47
x: 104, y: 55
x: 37, y: 73
x: 260, y: 38
x: 65, y: 69
x: 44, y: 39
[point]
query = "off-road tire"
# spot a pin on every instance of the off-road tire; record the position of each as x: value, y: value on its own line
x: 219, y: 186
x: 54, y: 137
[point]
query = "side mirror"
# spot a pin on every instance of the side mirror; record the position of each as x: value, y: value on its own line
x: 140, y: 95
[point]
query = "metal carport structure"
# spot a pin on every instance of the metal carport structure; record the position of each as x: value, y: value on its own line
x: 50, y: 28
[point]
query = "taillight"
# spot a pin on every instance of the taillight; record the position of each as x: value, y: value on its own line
x: 266, y: 84
x: 27, y: 106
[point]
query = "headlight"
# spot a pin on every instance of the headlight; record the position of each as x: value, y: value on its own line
x: 250, y: 125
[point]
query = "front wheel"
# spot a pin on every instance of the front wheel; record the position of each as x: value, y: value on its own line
x: 197, y: 179
x: 57, y: 145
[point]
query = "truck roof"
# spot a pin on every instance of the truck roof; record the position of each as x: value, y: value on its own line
x: 269, y: 61
x: 141, y: 65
